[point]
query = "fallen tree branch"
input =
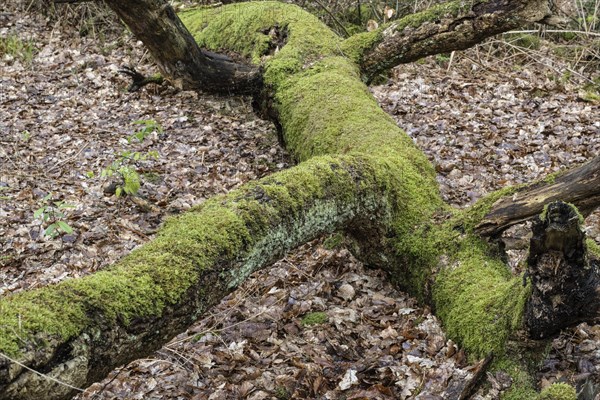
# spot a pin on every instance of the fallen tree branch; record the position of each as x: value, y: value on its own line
x: 443, y: 28
x: 580, y: 186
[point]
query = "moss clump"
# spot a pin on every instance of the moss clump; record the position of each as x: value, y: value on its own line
x: 314, y: 318
x: 46, y: 311
x: 544, y: 214
x: 478, y: 300
x: 282, y: 393
x: 449, y: 9
x: 248, y: 26
x: 593, y: 248
x: 357, y: 45
x: 522, y: 386
x: 558, y: 391
x: 551, y: 178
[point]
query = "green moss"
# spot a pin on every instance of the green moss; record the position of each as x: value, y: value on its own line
x: 142, y: 284
x: 356, y: 45
x: 558, y: 391
x: 469, y: 219
x: 593, y: 248
x: 544, y: 212
x: 551, y: 178
x: 478, y: 300
x: 523, y: 386
x: 314, y: 318
x: 448, y: 9
x: 248, y: 26
x: 46, y: 311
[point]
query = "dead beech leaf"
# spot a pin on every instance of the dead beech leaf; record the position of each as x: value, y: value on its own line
x: 372, y: 25
x: 348, y: 380
x: 346, y: 292
x: 388, y: 13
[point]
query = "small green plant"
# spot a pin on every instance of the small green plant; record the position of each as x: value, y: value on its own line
x: 281, y: 393
x: 53, y: 213
x: 148, y: 126
x: 558, y: 391
x: 25, y: 136
x: 442, y: 58
x: 314, y: 318
x: 124, y: 167
x: 17, y: 48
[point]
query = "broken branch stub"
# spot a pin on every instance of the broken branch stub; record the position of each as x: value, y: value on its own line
x: 564, y: 279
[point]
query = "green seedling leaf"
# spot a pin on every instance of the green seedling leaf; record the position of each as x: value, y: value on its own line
x: 39, y: 212
x: 64, y: 227
x: 51, y: 230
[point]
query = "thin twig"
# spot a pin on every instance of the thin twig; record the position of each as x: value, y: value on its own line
x: 540, y: 59
x: 69, y: 159
x: 333, y: 17
x: 555, y: 31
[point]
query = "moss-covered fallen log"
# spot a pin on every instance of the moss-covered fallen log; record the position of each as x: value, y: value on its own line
x: 358, y: 173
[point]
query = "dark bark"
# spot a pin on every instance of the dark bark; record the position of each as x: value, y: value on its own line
x: 177, y: 55
x: 579, y: 186
x: 564, y: 279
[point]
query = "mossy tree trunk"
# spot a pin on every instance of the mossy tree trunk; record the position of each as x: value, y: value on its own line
x: 358, y: 173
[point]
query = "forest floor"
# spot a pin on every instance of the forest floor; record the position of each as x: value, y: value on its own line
x: 317, y: 324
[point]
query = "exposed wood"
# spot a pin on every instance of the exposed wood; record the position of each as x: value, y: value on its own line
x: 579, y: 186
x: 564, y: 280
x: 177, y: 55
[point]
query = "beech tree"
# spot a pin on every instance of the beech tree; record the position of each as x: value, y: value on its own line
x: 357, y: 173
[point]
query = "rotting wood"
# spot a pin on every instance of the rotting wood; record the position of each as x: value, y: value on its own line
x: 564, y: 279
